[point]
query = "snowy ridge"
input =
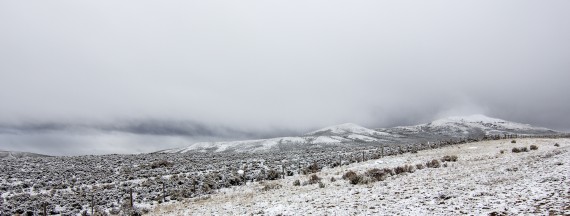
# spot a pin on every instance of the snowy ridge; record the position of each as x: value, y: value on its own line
x: 14, y: 154
x: 487, y: 124
x: 349, y: 133
x: 256, y: 145
x: 348, y: 128
x: 466, y: 119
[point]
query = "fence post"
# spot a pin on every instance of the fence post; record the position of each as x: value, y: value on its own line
x: 163, y: 191
x: 131, y: 192
x: 45, y: 208
x: 92, y: 202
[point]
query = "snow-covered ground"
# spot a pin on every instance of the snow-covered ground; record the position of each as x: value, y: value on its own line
x: 482, y: 181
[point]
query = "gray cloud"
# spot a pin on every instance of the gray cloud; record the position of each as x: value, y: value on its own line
x: 251, y: 69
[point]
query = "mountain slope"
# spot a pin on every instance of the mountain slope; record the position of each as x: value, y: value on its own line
x: 466, y: 126
x: 14, y: 154
x: 475, y: 126
x: 348, y: 128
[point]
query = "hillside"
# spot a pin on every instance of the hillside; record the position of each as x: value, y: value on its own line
x: 15, y: 154
x: 533, y: 182
x: 459, y: 127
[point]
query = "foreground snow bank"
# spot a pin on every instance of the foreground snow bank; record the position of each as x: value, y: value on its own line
x: 482, y: 181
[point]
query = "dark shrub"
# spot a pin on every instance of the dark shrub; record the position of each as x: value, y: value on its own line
x: 419, y: 166
x: 502, y: 151
x: 524, y: 149
x: 271, y: 186
x: 348, y: 175
x: 433, y: 164
x: 399, y: 170
x: 410, y: 168
x: 389, y: 171
x: 377, y: 174
x: 297, y: 183
x: 352, y: 177
x: 333, y: 179
x: 161, y: 163
x: 273, y: 175
x: 516, y: 150
x: 314, y: 179
x: 355, y: 179
x: 452, y: 158
x: 533, y: 147
x: 313, y: 168
x: 557, y: 145
x: 514, y: 141
x: 321, y: 185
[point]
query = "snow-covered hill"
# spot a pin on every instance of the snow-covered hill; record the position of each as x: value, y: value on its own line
x: 14, y: 154
x: 344, y: 133
x: 349, y: 133
x: 465, y: 126
x: 348, y: 128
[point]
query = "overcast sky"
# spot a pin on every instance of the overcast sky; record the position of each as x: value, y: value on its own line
x: 94, y: 77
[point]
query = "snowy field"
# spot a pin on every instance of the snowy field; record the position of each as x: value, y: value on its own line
x: 482, y: 181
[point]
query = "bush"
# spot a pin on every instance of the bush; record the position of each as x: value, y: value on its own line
x: 404, y: 169
x: 377, y: 174
x: 557, y: 145
x: 348, y: 175
x: 271, y: 186
x: 321, y: 185
x: 433, y: 164
x: 514, y: 141
x: 452, y: 158
x: 313, y: 168
x: 419, y: 166
x: 524, y: 149
x: 502, y: 151
x: 399, y: 170
x: 354, y: 178
x: 533, y: 147
x: 389, y: 171
x: 273, y: 175
x: 365, y: 179
x: 516, y: 150
x: 297, y: 183
x: 410, y: 168
x: 314, y: 179
x: 333, y: 179
x: 161, y: 163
